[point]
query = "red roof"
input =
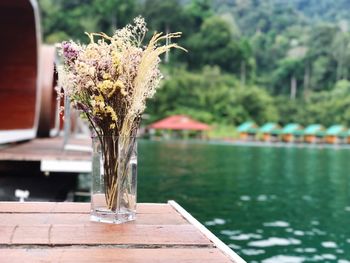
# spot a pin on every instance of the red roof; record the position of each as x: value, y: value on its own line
x: 179, y: 122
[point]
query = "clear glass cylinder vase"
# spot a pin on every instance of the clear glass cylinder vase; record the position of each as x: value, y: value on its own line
x: 114, y: 179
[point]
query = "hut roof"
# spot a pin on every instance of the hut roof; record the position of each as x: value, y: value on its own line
x: 270, y: 127
x: 292, y: 128
x: 335, y: 130
x: 248, y: 126
x: 313, y: 129
x: 179, y: 122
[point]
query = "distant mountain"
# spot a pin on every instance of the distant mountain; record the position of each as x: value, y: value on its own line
x: 329, y: 10
x: 276, y: 15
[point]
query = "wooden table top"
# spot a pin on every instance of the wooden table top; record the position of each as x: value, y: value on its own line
x: 62, y: 232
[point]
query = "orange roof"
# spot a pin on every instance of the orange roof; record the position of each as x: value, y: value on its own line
x: 179, y: 122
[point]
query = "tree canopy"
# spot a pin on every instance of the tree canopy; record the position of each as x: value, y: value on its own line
x: 257, y: 60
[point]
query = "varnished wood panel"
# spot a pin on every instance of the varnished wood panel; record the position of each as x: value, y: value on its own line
x: 48, y: 80
x: 19, y: 65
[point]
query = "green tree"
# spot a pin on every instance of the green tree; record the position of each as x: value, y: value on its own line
x: 212, y: 96
x: 341, y: 53
x: 287, y: 76
x: 72, y: 18
x: 215, y: 44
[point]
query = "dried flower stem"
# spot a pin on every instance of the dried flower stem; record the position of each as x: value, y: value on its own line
x: 109, y: 80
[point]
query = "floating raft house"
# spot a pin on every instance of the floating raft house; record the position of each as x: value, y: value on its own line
x: 270, y: 131
x: 291, y: 132
x: 180, y: 124
x: 247, y: 130
x: 346, y: 136
x: 335, y: 134
x: 314, y: 133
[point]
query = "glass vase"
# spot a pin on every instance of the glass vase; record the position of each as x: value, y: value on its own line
x: 114, y: 179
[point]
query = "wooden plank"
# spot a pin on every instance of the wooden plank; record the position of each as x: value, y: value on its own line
x: 34, y: 234
x: 117, y: 255
x: 6, y: 234
x: 26, y: 219
x: 98, y: 233
x: 68, y: 207
x: 62, y: 232
x: 41, y: 207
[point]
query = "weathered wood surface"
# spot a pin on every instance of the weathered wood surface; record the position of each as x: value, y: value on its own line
x: 48, y: 149
x: 62, y: 232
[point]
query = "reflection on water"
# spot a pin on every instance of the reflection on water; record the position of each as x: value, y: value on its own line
x: 268, y: 204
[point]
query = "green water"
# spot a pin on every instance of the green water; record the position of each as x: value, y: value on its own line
x: 268, y: 204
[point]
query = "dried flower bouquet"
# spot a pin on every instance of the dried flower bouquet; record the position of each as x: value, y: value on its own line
x: 109, y: 80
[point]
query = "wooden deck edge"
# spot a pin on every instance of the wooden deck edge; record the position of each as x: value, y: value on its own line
x: 8, y: 136
x: 71, y: 166
x: 219, y: 244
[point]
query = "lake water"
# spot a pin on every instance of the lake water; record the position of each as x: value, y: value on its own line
x: 269, y: 204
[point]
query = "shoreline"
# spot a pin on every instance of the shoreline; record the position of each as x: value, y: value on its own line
x: 255, y: 143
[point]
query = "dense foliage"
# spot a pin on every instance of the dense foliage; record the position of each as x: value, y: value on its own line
x: 285, y: 61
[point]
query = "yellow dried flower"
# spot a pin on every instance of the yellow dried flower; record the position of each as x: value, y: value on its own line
x: 107, y: 76
x: 91, y: 52
x: 123, y: 92
x: 105, y: 86
x: 110, y: 110
x: 98, y: 104
x: 84, y: 69
x: 119, y: 84
x: 116, y: 58
x: 108, y: 87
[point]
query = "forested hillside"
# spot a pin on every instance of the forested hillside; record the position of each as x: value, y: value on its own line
x: 265, y: 60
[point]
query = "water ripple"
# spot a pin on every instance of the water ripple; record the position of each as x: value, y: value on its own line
x: 245, y: 236
x: 277, y: 224
x: 284, y: 259
x: 230, y: 232
x: 253, y: 252
x: 329, y: 244
x: 215, y: 221
x: 245, y: 198
x: 274, y: 241
x: 298, y: 232
x: 305, y: 250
